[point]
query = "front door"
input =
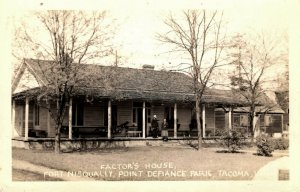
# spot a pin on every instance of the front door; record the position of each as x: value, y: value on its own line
x: 169, y: 116
x: 137, y: 115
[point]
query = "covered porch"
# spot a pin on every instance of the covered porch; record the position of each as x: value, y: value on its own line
x: 113, y: 119
x: 102, y: 118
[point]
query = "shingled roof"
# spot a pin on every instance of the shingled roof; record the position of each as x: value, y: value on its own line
x: 129, y: 83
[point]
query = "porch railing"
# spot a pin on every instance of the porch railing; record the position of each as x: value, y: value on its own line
x: 85, y: 131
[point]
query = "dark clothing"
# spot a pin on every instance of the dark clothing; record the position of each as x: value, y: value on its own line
x: 154, y: 123
x: 154, y: 126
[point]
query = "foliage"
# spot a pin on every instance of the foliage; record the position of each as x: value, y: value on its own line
x: 220, y: 132
x: 281, y: 144
x: 233, y: 140
x: 265, y: 145
x: 283, y: 99
x: 252, y: 60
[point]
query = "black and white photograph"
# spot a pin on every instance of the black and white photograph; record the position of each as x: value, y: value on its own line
x: 144, y: 94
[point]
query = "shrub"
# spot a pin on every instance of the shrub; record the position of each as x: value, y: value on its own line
x: 281, y: 144
x: 220, y: 132
x: 265, y: 145
x: 233, y: 140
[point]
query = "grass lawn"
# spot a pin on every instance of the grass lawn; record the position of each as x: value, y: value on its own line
x: 150, y: 163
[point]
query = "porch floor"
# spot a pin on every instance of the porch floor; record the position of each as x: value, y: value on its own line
x: 107, y: 139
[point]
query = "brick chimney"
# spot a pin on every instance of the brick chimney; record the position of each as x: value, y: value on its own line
x: 148, y: 67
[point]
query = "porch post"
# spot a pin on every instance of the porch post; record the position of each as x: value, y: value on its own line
x: 203, y: 120
x: 229, y: 119
x: 13, y: 116
x: 175, y: 120
x: 144, y: 119
x: 109, y: 120
x: 26, y: 117
x: 48, y: 121
x: 70, y: 118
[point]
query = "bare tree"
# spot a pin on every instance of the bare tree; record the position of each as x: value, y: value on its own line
x: 70, y: 39
x: 282, y: 92
x: 197, y: 34
x: 253, y: 60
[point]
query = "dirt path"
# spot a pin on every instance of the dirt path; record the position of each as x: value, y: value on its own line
x: 49, y: 172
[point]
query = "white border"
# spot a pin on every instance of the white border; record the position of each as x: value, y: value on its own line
x: 8, y: 8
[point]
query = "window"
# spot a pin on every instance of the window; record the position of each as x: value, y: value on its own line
x: 236, y: 120
x: 77, y: 113
x: 268, y: 120
x: 138, y: 106
x: 36, y: 115
x: 134, y: 115
x: 244, y: 120
x: 240, y: 120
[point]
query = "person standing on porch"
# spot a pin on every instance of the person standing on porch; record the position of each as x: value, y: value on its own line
x: 164, y: 130
x: 154, y: 126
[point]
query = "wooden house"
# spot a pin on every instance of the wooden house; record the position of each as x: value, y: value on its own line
x: 132, y: 98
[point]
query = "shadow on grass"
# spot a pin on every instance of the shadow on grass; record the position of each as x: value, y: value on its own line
x: 97, y: 151
x: 193, y: 146
x: 227, y: 151
x: 260, y: 155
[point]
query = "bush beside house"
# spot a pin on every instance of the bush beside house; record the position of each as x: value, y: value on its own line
x: 233, y: 140
x: 265, y: 145
x: 281, y: 144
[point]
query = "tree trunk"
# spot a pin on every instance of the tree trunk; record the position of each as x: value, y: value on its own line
x: 59, y: 115
x: 251, y: 127
x: 198, y: 112
x: 255, y: 131
x: 57, y: 139
x: 251, y: 124
x: 251, y: 120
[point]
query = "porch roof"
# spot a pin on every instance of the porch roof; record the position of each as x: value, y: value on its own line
x: 261, y: 109
x: 122, y: 94
x: 258, y: 109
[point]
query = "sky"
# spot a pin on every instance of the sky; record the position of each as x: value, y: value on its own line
x: 139, y: 27
x: 138, y: 22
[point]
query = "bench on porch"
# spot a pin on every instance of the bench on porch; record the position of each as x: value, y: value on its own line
x: 133, y: 131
